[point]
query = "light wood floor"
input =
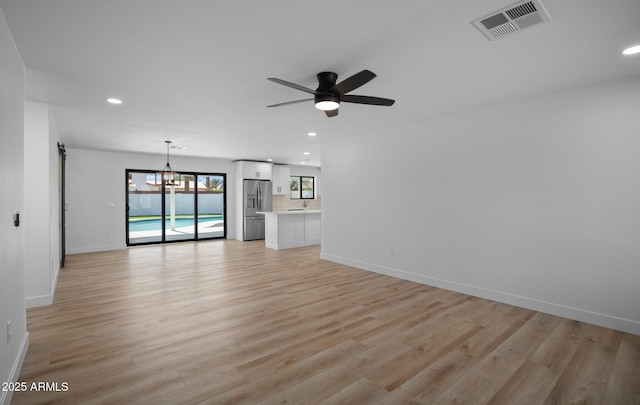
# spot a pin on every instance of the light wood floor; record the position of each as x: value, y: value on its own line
x: 230, y: 322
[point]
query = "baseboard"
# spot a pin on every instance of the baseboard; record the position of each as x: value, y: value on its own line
x: 291, y: 245
x: 40, y: 301
x: 44, y: 300
x: 5, y: 396
x: 607, y: 321
x: 92, y: 249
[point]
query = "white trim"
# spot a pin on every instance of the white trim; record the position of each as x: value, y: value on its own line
x: 291, y: 245
x: 93, y: 249
x: 44, y: 300
x: 607, y: 321
x: 5, y: 397
x: 39, y: 301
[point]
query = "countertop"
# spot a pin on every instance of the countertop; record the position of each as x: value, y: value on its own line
x: 291, y: 212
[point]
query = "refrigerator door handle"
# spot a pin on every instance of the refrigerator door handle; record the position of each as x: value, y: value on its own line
x: 259, y: 198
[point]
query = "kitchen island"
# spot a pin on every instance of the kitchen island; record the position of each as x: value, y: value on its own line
x: 292, y: 228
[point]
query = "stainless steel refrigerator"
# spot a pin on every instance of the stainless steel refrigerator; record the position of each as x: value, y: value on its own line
x: 257, y: 198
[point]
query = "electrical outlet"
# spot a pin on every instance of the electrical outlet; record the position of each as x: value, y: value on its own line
x: 8, y: 332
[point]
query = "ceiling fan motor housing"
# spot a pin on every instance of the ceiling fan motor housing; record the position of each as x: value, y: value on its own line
x: 326, y: 80
x: 324, y: 93
x: 326, y: 97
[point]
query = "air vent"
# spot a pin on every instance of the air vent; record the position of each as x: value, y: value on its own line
x: 512, y: 19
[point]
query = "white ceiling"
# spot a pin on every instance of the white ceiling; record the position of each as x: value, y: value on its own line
x: 194, y: 72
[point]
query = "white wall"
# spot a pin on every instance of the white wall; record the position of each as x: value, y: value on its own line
x: 534, y: 203
x: 12, y: 248
x: 95, y: 178
x: 42, y: 265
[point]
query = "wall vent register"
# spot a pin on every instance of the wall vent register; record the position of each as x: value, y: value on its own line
x: 512, y: 19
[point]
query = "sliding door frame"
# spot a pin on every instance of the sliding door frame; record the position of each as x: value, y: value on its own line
x: 163, y: 193
x: 62, y: 158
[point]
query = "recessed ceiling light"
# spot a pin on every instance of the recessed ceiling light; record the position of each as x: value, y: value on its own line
x: 114, y: 100
x: 302, y: 163
x: 312, y: 134
x: 632, y: 50
x: 307, y: 153
x: 269, y: 160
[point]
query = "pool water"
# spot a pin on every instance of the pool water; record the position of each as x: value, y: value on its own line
x: 155, y: 224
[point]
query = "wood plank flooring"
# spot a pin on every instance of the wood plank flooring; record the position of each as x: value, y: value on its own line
x: 224, y: 322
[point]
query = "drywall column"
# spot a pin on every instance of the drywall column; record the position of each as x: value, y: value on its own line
x: 41, y: 208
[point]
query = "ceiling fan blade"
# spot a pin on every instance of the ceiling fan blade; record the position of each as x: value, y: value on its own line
x: 292, y: 85
x: 367, y: 100
x: 332, y: 113
x: 353, y: 82
x: 290, y: 102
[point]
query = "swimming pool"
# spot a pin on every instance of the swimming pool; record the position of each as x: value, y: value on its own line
x: 155, y: 224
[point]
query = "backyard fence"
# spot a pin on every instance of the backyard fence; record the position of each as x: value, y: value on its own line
x: 150, y: 204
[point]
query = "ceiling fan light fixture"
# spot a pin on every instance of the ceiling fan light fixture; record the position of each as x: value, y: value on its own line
x: 327, y: 102
x: 327, y: 105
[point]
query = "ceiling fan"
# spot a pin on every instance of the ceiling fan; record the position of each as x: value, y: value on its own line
x: 329, y: 95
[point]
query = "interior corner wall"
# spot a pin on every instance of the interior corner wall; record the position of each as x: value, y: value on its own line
x: 95, y: 178
x: 12, y: 245
x: 55, y: 190
x: 533, y: 203
x: 41, y: 204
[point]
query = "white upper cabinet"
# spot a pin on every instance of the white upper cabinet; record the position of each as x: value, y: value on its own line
x: 256, y: 170
x: 281, y: 179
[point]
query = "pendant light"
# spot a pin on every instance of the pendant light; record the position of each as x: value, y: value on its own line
x: 168, y: 175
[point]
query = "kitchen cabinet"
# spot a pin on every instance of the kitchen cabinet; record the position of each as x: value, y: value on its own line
x: 292, y: 229
x: 256, y: 170
x: 280, y: 174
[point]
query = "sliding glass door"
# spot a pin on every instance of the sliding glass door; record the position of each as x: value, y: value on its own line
x: 210, y: 205
x: 144, y: 207
x: 179, y: 209
x: 193, y: 209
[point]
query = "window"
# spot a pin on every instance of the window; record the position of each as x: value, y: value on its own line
x: 302, y: 187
